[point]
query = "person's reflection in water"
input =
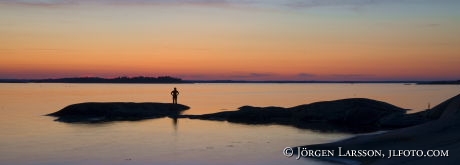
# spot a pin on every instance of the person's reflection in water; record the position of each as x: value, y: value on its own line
x: 174, y: 119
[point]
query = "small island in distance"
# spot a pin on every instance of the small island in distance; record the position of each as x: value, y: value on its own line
x: 121, y: 80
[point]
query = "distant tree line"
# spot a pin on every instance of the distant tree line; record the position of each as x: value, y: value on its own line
x: 454, y: 82
x: 140, y: 79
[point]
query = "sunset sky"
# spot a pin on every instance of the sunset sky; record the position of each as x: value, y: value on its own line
x: 231, y: 39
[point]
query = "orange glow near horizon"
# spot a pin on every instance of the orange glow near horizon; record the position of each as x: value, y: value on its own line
x: 209, y: 42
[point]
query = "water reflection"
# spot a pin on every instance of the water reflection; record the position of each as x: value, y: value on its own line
x: 175, y: 123
x: 30, y: 138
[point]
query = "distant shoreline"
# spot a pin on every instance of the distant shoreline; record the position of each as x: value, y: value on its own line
x: 87, y: 80
x: 172, y: 80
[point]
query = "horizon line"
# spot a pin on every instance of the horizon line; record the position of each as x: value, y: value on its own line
x: 35, y: 80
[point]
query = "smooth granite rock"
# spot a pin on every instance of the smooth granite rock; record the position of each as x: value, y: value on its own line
x: 92, y: 112
x: 442, y: 133
x: 354, y: 115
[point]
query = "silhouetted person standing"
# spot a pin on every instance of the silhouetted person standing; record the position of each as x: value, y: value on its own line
x: 174, y: 94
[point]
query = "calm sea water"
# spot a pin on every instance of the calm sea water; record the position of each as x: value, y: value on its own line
x: 28, y: 137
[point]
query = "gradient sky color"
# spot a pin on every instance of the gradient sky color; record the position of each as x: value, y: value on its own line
x: 231, y: 39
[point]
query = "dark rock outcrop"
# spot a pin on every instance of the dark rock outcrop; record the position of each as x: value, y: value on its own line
x: 347, y: 115
x: 441, y: 132
x: 116, y: 111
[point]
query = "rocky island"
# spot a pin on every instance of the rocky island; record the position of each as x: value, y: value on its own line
x: 433, y: 129
x: 355, y: 115
x: 93, y: 112
x: 440, y: 133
